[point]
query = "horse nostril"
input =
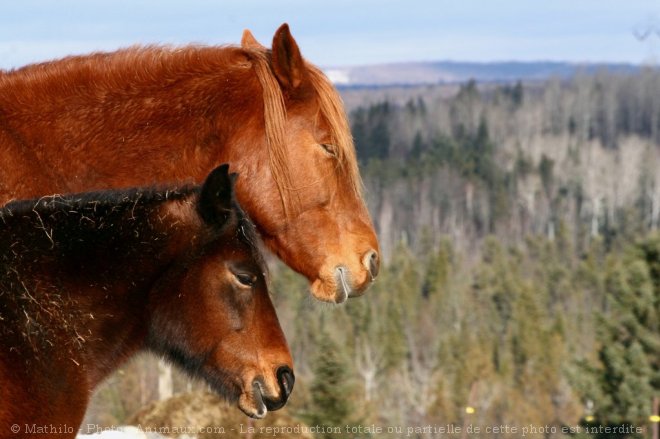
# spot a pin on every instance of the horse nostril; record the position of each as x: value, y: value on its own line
x: 286, y: 380
x: 372, y: 263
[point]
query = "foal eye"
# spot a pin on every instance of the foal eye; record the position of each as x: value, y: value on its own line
x: 246, y: 279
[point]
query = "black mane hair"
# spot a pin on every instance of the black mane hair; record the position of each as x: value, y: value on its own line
x: 103, y: 198
x: 110, y: 206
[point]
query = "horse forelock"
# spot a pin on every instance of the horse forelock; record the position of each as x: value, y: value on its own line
x: 274, y: 119
x: 331, y: 108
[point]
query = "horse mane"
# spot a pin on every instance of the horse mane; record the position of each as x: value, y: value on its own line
x: 116, y: 200
x: 331, y: 108
x: 97, y: 199
x: 166, y: 63
x: 138, y: 64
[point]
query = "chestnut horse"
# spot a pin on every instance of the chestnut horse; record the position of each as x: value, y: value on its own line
x: 88, y: 280
x: 157, y: 115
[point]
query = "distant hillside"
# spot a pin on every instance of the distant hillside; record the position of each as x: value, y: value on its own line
x: 448, y: 72
x: 511, y: 159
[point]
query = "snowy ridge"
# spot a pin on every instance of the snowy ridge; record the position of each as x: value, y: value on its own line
x: 444, y: 72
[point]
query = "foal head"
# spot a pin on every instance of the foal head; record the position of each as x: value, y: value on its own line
x: 211, y: 312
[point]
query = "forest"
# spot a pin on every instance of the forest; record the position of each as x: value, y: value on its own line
x: 518, y: 224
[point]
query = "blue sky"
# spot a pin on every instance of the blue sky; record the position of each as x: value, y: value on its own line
x: 341, y: 32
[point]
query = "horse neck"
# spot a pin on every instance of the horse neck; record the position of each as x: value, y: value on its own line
x: 63, y: 282
x: 91, y: 252
x: 208, y: 97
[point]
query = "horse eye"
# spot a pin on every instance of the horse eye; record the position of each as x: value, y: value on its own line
x: 245, y: 279
x: 329, y: 148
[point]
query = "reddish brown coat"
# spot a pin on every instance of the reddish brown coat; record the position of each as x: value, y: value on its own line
x: 158, y: 115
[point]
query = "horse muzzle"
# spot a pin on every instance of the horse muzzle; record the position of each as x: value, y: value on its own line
x: 259, y: 402
x: 346, y: 287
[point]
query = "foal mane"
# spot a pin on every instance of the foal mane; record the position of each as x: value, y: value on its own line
x: 96, y: 199
x: 129, y: 198
x: 331, y: 108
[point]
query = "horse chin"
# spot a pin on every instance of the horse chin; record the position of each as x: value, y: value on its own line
x: 336, y: 288
x: 252, y: 403
x: 359, y: 290
x: 330, y: 291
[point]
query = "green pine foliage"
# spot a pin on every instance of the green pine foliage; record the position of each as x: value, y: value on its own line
x: 624, y: 379
x: 331, y: 404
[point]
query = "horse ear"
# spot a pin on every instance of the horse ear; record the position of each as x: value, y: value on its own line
x: 248, y: 41
x: 216, y: 199
x: 288, y: 64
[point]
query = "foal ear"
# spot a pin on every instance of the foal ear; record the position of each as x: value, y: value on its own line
x: 249, y: 41
x: 288, y: 64
x: 216, y: 199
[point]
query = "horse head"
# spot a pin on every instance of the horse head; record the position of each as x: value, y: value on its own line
x: 306, y: 200
x: 212, y: 312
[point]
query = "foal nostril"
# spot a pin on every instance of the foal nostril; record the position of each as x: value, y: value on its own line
x: 286, y: 379
x: 371, y: 262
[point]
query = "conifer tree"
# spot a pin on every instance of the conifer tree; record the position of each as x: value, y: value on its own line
x: 624, y: 382
x: 438, y: 270
x: 331, y: 392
